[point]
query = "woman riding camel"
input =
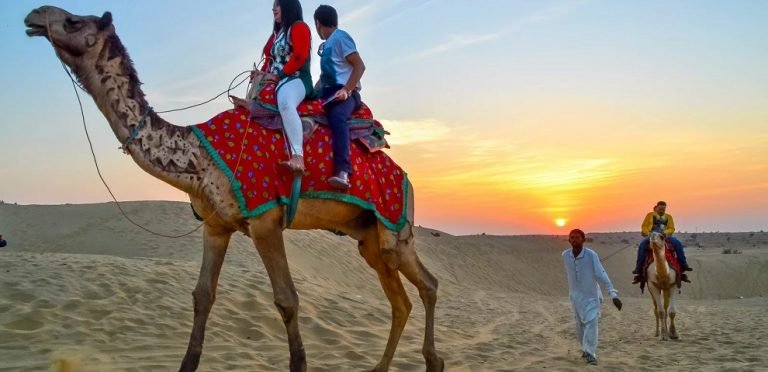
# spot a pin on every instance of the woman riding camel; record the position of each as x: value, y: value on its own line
x: 287, y: 61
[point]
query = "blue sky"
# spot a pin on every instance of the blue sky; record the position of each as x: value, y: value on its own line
x: 509, y: 105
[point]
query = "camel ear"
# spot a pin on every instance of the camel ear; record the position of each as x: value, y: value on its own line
x: 105, y: 21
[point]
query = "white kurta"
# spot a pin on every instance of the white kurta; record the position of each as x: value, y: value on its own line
x: 585, y: 272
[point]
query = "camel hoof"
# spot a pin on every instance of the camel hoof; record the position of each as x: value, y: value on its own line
x: 436, y: 367
x: 380, y: 368
x: 674, y: 337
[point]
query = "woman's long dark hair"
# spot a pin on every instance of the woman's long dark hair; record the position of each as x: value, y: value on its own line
x: 290, y: 12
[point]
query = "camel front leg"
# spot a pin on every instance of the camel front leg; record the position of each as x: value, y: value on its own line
x: 654, y: 296
x: 398, y: 299
x: 215, y: 242
x: 672, y: 312
x: 271, y: 248
x: 664, y: 314
x: 416, y: 273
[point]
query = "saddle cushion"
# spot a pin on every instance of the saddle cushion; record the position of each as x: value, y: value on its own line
x: 362, y: 126
x: 260, y: 183
x: 309, y: 107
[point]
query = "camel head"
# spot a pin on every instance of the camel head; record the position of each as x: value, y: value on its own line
x: 658, y: 242
x: 90, y: 47
x: 78, y: 40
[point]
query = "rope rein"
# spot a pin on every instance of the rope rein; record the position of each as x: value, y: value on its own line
x: 614, y: 253
x: 136, y: 130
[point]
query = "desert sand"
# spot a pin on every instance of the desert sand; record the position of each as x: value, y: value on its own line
x: 83, y: 290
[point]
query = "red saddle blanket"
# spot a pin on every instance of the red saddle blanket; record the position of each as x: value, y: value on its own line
x: 260, y: 183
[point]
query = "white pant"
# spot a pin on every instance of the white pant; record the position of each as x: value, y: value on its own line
x: 586, y: 333
x: 289, y: 95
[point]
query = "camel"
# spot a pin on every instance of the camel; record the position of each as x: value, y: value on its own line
x: 90, y: 47
x: 662, y: 283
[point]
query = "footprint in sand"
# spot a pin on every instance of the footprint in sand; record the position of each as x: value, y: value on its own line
x: 17, y: 296
x: 24, y: 324
x: 43, y: 304
x: 98, y: 314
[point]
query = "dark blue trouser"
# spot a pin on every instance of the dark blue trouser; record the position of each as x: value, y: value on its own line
x: 338, y: 113
x: 644, y: 247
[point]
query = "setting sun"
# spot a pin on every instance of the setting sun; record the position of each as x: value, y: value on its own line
x: 560, y: 222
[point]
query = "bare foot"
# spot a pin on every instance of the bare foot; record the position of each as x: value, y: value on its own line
x: 239, y: 102
x: 295, y: 164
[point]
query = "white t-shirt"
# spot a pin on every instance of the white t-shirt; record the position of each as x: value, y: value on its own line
x: 334, y: 68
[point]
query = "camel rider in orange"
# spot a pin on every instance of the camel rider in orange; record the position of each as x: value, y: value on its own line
x: 659, y: 221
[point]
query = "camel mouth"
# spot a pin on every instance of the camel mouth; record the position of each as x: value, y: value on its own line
x: 34, y: 28
x: 36, y: 31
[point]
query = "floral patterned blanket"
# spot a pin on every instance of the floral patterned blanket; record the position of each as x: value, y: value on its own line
x: 249, y: 155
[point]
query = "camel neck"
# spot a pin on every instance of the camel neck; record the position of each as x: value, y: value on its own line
x: 659, y: 259
x: 166, y: 151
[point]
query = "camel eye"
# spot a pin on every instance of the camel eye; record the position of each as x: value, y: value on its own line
x: 72, y: 25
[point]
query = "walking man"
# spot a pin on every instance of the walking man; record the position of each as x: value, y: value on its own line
x: 584, y: 271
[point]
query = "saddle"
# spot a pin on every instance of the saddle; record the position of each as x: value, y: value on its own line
x: 671, y: 257
x: 263, y: 107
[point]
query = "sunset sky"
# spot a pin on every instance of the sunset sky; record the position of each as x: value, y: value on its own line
x: 507, y: 115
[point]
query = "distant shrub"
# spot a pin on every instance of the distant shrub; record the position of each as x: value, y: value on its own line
x: 625, y: 241
x: 590, y: 240
x: 731, y: 251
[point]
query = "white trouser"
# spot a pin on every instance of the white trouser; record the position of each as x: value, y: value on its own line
x: 289, y: 95
x: 586, y: 333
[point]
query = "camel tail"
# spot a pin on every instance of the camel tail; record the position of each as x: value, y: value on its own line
x: 411, y: 206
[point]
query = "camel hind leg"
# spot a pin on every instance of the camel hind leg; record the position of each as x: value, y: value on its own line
x: 393, y: 287
x: 416, y: 273
x: 403, y: 256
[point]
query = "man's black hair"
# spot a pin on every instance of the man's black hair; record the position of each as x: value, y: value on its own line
x: 326, y: 15
x: 578, y: 231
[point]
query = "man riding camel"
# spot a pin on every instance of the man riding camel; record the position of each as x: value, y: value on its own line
x: 662, y: 222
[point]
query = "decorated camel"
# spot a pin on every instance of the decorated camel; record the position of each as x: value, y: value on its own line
x: 663, y: 285
x: 178, y: 156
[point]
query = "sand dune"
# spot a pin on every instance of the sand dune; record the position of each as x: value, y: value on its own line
x: 83, y: 290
